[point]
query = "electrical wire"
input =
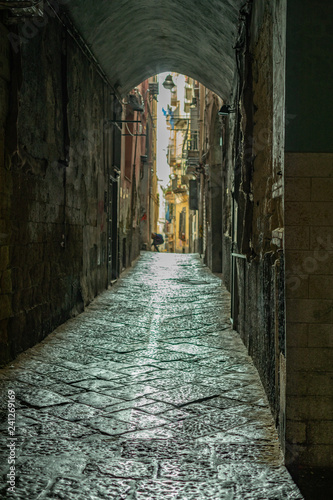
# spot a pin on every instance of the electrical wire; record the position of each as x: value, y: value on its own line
x: 128, y: 130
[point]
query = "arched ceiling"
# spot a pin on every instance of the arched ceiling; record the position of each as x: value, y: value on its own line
x: 133, y: 40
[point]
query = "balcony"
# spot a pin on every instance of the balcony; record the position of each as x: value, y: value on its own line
x: 171, y: 155
x: 191, y: 153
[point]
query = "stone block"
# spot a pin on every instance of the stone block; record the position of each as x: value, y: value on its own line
x: 297, y: 334
x: 309, y: 311
x: 304, y: 408
x: 23, y: 299
x: 309, y: 262
x: 321, y: 240
x: 321, y: 287
x: 309, y: 165
x: 17, y: 278
x: 6, y: 281
x: 5, y: 306
x: 296, y: 383
x: 320, y: 432
x: 320, y: 335
x: 296, y: 432
x: 319, y: 384
x: 298, y: 189
x: 36, y: 273
x: 4, y: 257
x: 297, y: 237
x: 297, y: 287
x: 309, y: 359
x: 297, y: 213
x: 304, y: 213
x: 6, y: 184
x: 309, y: 383
x: 309, y: 456
x: 322, y: 189
x: 4, y: 232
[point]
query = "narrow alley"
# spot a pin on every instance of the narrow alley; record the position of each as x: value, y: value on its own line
x: 148, y: 394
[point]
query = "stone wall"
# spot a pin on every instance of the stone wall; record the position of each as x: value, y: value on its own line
x: 308, y: 238
x: 54, y: 187
x: 253, y: 200
x: 309, y: 290
x: 6, y: 192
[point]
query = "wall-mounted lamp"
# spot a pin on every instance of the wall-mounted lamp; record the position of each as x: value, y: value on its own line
x: 226, y: 110
x: 134, y: 102
x: 168, y: 83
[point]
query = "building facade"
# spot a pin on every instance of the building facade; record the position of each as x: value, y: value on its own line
x: 138, y: 200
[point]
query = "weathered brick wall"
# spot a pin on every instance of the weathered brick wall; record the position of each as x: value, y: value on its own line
x: 53, y: 254
x: 309, y: 291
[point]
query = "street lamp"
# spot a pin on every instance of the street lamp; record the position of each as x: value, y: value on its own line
x: 168, y: 83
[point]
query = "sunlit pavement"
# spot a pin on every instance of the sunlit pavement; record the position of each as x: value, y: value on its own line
x: 148, y: 394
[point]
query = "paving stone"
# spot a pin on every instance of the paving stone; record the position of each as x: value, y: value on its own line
x: 26, y: 486
x: 187, y: 471
x: 181, y: 490
x: 139, y: 419
x: 134, y: 371
x: 102, y: 488
x: 40, y: 397
x: 73, y: 412
x: 65, y: 389
x: 103, y: 373
x: 176, y: 414
x: 193, y: 428
x: 97, y: 385
x: 157, y: 433
x: 147, y: 395
x: 185, y: 394
x: 192, y: 349
x: 133, y: 391
x: 95, y: 399
x: 156, y: 408
x: 34, y: 378
x: 124, y: 405
x: 222, y: 402
x: 68, y: 376
x: 108, y: 425
x: 126, y: 469
x: 39, y: 366
x: 233, y: 453
x: 245, y: 476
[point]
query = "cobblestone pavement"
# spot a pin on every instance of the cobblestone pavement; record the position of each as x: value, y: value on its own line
x: 148, y: 394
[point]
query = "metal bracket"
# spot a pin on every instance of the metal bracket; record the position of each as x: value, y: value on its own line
x: 123, y: 121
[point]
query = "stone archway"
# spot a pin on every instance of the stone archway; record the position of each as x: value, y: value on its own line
x: 134, y: 40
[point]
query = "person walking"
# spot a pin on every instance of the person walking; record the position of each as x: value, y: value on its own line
x: 157, y: 240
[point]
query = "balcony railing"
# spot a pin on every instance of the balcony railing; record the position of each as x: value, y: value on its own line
x: 191, y: 153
